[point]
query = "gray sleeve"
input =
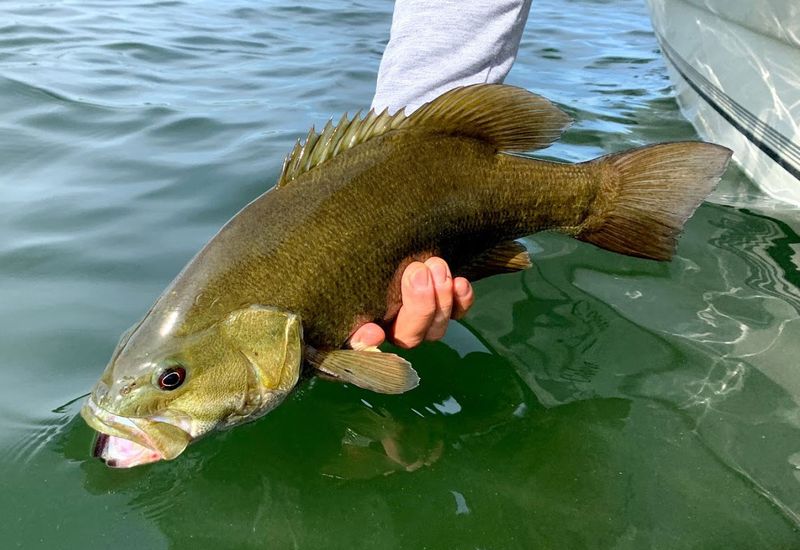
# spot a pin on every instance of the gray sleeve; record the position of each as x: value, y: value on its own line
x: 438, y: 45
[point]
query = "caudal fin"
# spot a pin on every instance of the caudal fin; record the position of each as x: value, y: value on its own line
x: 649, y: 193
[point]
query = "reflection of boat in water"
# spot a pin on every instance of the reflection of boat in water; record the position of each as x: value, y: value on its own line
x: 736, y: 70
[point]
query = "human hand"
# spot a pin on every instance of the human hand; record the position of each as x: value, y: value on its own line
x: 431, y: 297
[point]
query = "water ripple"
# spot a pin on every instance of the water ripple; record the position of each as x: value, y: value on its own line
x: 131, y: 131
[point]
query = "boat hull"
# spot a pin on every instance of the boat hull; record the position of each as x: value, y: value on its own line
x: 736, y: 71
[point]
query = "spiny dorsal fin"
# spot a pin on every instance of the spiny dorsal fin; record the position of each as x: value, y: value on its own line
x: 368, y: 368
x: 509, y: 118
x: 319, y: 147
x: 506, y: 257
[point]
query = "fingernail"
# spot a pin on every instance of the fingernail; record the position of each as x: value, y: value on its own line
x: 357, y: 344
x: 420, y: 279
x: 461, y: 287
x: 439, y: 272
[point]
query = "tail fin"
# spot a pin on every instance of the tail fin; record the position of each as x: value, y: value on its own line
x: 649, y: 193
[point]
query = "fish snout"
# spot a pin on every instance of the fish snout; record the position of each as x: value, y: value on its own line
x: 123, y: 442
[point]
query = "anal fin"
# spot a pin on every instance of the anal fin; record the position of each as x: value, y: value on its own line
x: 506, y: 257
x: 368, y: 368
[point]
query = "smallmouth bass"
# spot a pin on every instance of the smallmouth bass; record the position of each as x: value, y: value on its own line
x: 287, y: 280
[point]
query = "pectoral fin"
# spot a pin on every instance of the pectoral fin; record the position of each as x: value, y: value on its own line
x: 371, y: 370
x: 506, y: 257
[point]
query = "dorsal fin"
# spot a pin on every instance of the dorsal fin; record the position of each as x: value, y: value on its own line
x: 319, y: 147
x: 509, y: 118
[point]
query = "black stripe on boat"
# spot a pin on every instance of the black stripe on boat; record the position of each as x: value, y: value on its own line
x: 773, y: 144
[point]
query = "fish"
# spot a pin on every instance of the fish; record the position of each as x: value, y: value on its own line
x: 273, y: 297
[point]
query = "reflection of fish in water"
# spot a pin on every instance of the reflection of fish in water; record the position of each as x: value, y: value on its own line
x: 375, y: 443
x: 291, y: 275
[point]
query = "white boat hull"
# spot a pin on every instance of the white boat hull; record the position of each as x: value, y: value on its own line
x: 736, y: 70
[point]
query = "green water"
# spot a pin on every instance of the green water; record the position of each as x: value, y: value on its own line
x: 594, y: 401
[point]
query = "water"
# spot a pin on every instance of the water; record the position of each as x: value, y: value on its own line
x: 592, y: 402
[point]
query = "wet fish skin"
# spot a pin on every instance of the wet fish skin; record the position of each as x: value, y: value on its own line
x: 300, y: 267
x: 351, y: 226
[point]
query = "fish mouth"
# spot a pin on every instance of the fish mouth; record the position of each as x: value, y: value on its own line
x: 124, y: 442
x: 117, y: 452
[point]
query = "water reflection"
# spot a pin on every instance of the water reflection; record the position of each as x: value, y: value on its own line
x: 709, y: 336
x: 559, y: 464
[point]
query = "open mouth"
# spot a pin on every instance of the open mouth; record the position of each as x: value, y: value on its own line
x: 118, y: 452
x: 125, y: 442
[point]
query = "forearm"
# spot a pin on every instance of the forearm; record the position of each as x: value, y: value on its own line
x: 437, y: 45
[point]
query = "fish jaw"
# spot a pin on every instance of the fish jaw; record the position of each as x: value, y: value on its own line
x: 124, y: 442
x: 117, y: 452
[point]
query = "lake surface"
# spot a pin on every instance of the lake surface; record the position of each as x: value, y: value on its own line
x: 594, y: 401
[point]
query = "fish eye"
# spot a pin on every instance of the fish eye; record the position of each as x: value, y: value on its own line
x: 171, y: 378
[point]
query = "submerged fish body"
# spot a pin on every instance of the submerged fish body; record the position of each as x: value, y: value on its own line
x: 290, y: 277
